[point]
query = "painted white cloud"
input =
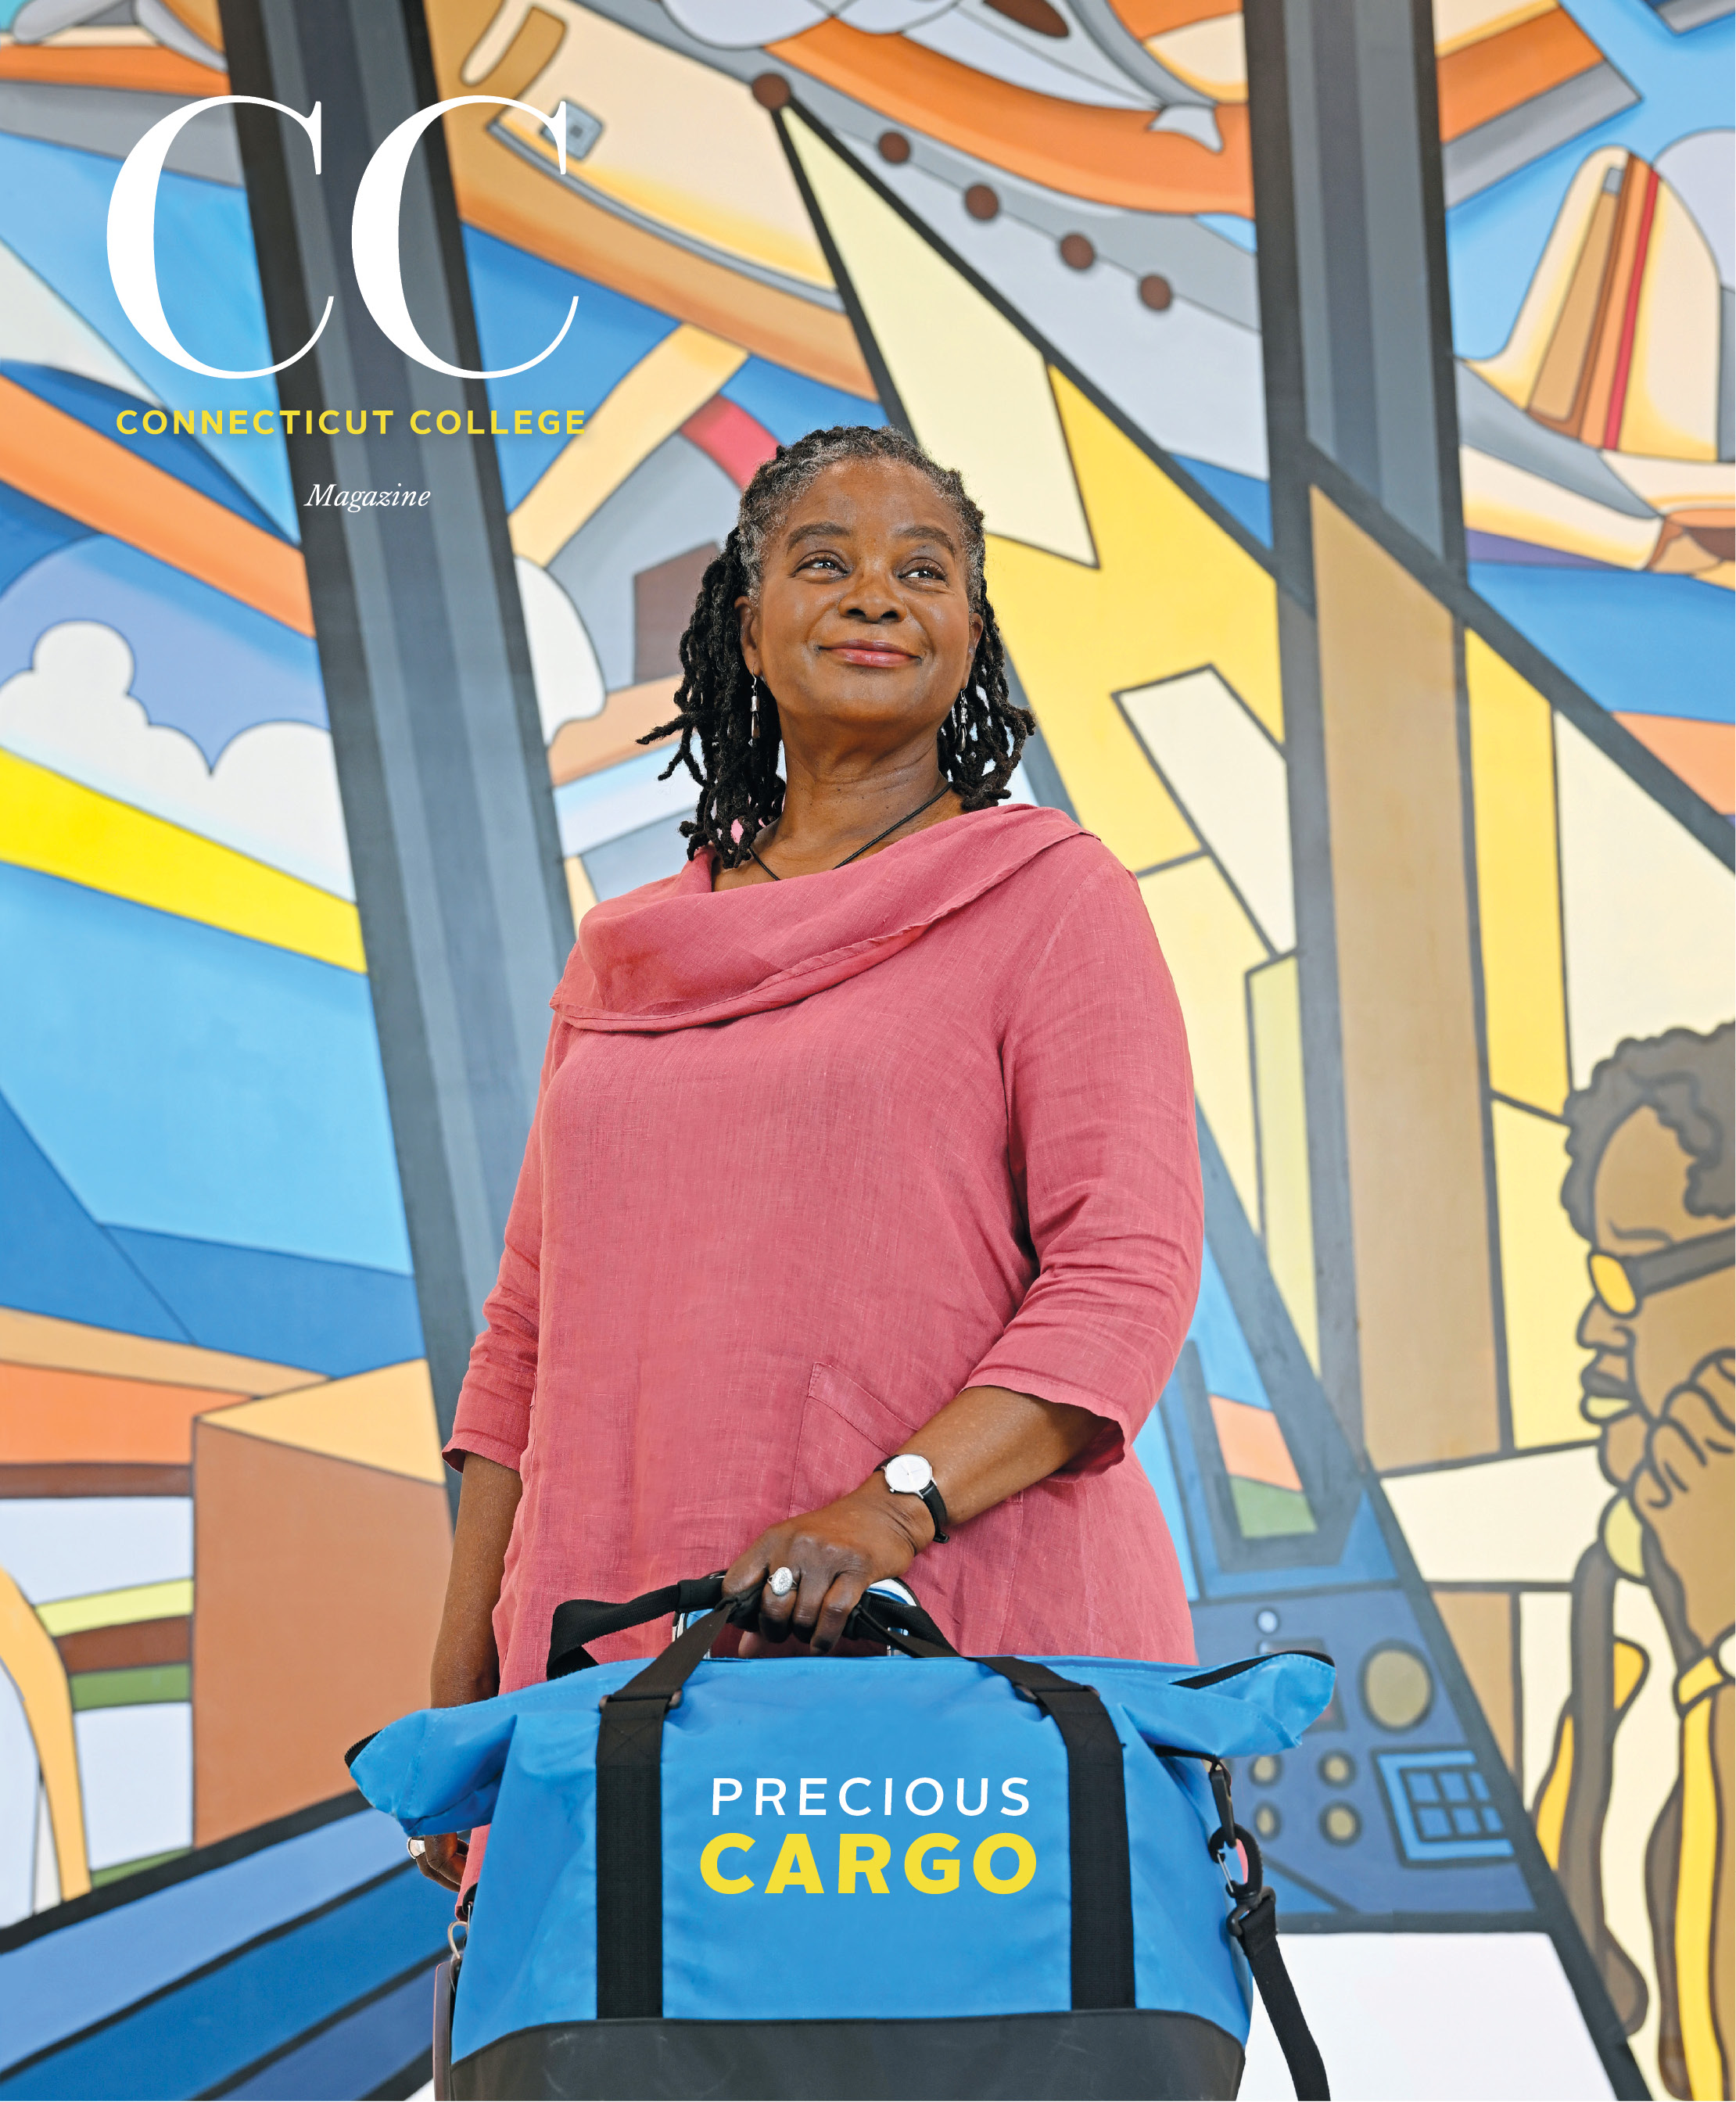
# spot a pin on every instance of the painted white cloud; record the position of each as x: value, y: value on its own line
x: 562, y: 662
x: 273, y: 794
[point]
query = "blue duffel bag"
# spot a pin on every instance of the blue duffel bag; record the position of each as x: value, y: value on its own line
x: 853, y: 1876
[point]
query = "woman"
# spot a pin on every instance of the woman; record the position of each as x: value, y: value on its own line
x: 867, y: 1137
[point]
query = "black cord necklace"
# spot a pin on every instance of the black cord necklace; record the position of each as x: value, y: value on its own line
x: 862, y: 849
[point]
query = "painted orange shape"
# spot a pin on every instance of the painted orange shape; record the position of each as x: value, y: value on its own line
x: 1253, y: 1444
x: 48, y: 1416
x: 1486, y: 79
x: 146, y: 66
x: 65, y: 464
x: 1153, y: 18
x: 1702, y: 753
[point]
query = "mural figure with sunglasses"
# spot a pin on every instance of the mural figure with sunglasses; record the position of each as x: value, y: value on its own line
x: 1651, y: 1190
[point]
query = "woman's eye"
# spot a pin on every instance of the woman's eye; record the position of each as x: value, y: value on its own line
x: 828, y: 561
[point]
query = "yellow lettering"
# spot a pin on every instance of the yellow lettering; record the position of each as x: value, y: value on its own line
x: 795, y: 1864
x: 443, y: 427
x: 548, y: 422
x: 522, y: 423
x: 421, y: 429
x: 237, y: 423
x: 494, y: 429
x: 729, y: 1886
x: 475, y: 429
x: 157, y: 428
x: 1022, y: 1851
x: 943, y: 1877
x: 261, y: 427
x: 211, y: 422
x: 183, y: 421
x: 356, y: 429
x: 575, y: 422
x: 126, y: 429
x: 863, y: 1854
x: 330, y: 431
x: 382, y: 417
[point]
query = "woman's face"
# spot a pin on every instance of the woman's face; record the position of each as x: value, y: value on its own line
x: 864, y: 623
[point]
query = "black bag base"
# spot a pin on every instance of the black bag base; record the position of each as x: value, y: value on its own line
x: 1096, y: 2055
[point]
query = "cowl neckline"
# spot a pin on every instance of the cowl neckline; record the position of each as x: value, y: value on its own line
x: 676, y: 954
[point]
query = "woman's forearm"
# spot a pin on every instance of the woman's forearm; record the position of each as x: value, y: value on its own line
x: 988, y: 1443
x: 465, y: 1665
x: 985, y: 1445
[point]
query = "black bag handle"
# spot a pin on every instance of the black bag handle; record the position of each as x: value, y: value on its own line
x: 582, y: 1621
x: 579, y: 1621
x: 629, y: 1812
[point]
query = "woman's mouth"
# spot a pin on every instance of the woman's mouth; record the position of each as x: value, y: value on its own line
x: 880, y: 654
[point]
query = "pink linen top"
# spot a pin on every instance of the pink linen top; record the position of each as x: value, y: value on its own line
x: 808, y: 1158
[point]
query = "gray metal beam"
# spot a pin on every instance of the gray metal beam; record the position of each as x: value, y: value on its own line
x: 446, y: 795
x: 1346, y: 139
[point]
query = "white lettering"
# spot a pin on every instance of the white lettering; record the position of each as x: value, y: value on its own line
x: 925, y: 1810
x: 982, y: 1799
x: 888, y: 1797
x: 322, y: 492
x: 811, y: 1809
x: 719, y: 1798
x: 132, y: 236
x: 1013, y: 1802
x: 848, y: 1808
x: 374, y: 244
x: 769, y: 1791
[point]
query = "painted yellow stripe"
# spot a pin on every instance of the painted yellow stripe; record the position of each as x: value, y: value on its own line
x: 31, y: 1662
x: 649, y: 404
x: 118, y: 1609
x: 1519, y: 892
x: 1697, y: 1682
x: 64, y: 829
x: 1697, y: 1872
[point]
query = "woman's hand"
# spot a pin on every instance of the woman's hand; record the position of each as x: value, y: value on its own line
x: 442, y: 1860
x: 466, y: 1666
x: 836, y: 1553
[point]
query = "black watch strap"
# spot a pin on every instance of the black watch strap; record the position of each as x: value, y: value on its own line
x: 931, y: 1497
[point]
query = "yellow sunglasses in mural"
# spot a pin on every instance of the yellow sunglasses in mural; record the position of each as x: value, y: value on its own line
x: 1622, y: 1283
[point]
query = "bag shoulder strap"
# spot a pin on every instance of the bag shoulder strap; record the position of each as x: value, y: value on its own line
x: 1255, y: 1925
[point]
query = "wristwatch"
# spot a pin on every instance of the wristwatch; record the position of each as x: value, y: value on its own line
x: 909, y: 1474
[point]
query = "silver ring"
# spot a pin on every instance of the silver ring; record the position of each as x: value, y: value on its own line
x: 417, y: 1848
x: 782, y: 1582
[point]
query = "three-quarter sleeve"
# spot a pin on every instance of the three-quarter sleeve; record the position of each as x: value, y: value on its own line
x: 1106, y: 1159
x: 494, y: 1410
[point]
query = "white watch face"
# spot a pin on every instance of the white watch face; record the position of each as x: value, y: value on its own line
x: 909, y: 1474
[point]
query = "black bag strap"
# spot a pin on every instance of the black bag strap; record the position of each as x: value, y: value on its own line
x: 1102, y: 1876
x: 630, y: 1822
x: 1253, y: 1923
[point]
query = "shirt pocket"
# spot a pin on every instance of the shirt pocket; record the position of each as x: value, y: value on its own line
x: 846, y: 1432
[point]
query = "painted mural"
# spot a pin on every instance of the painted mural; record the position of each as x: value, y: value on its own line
x: 1027, y: 231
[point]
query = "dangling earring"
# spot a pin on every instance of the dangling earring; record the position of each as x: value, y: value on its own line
x: 754, y: 731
